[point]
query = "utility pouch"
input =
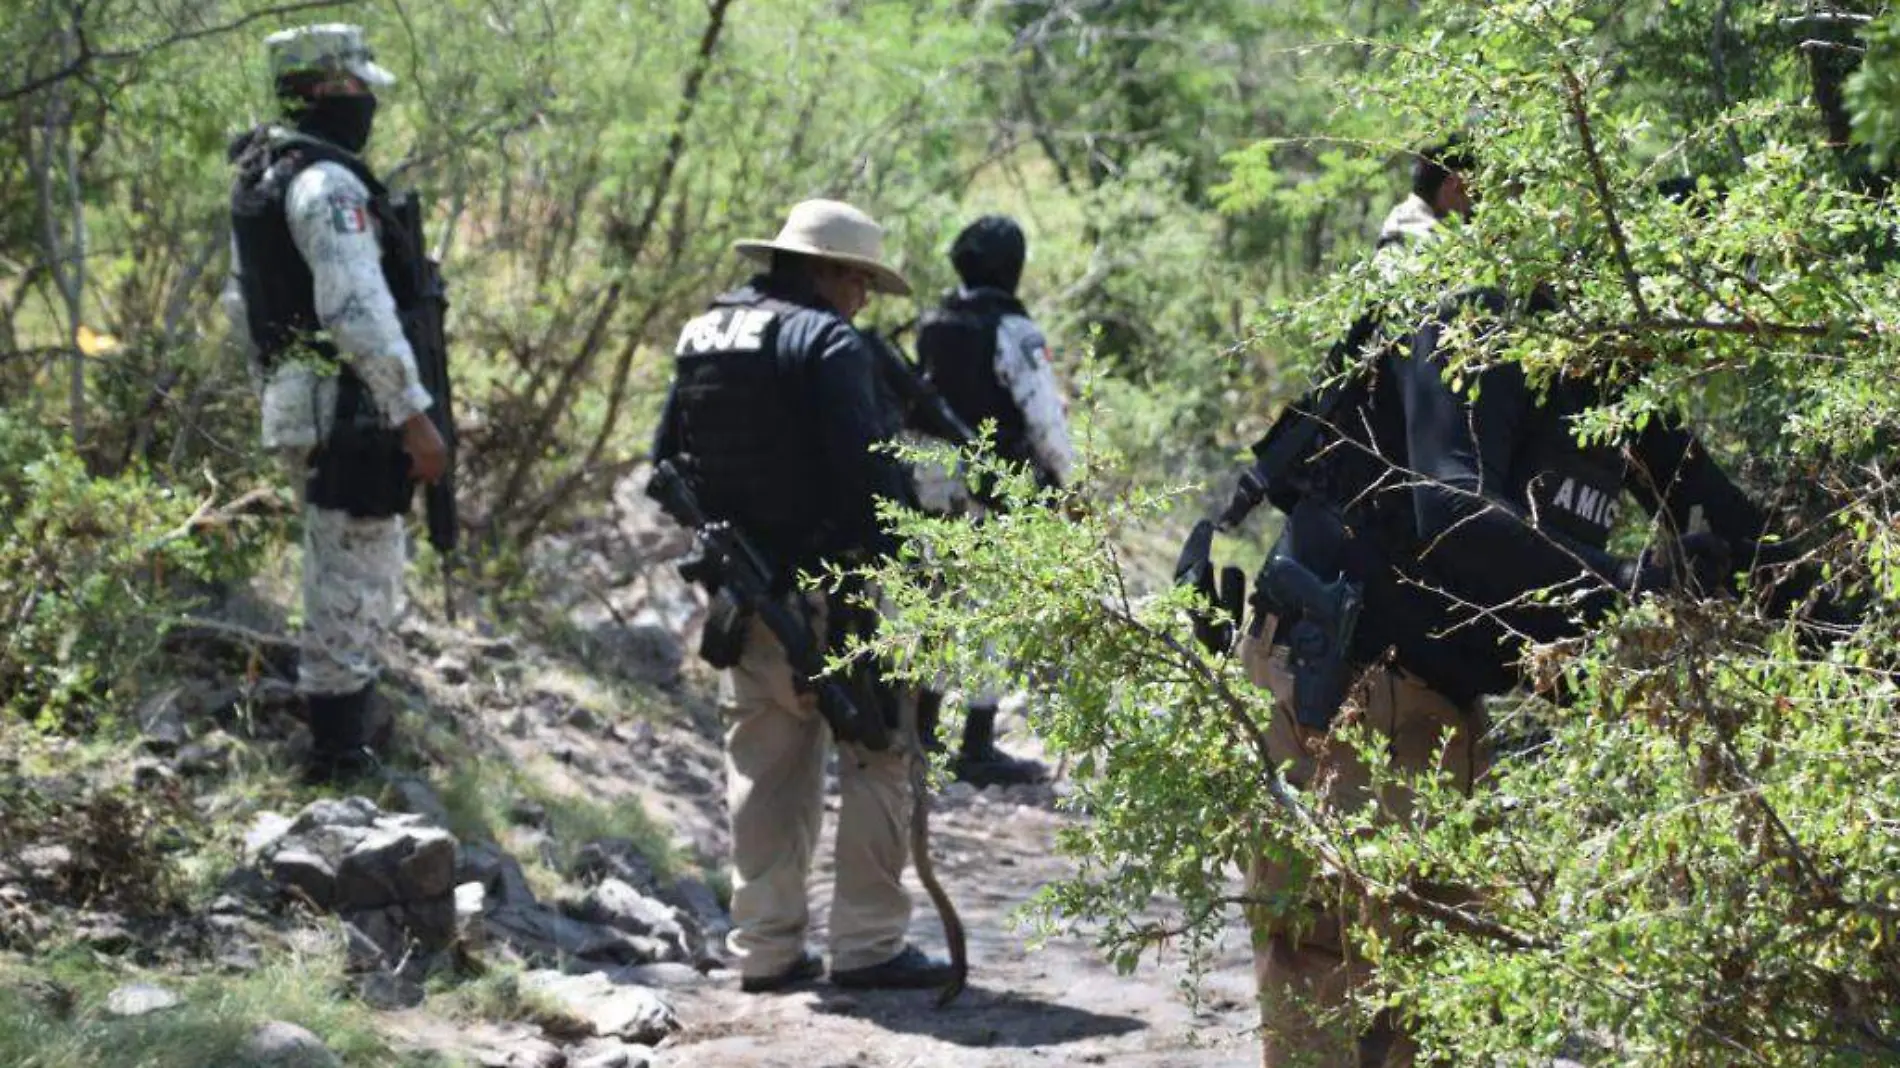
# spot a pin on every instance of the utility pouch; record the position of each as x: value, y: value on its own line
x: 361, y: 468
x: 722, y: 642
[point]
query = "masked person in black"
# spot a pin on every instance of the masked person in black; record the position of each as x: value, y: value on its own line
x: 1449, y: 508
x: 989, y: 360
x: 775, y: 412
x: 316, y: 296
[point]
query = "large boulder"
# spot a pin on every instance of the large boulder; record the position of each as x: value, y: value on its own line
x: 391, y: 877
x: 394, y: 864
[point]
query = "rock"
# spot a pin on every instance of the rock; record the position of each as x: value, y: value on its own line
x: 639, y: 735
x: 305, y: 872
x: 105, y: 933
x: 161, y: 719
x: 387, y: 991
x: 471, y: 902
x: 247, y: 885
x: 139, y: 999
x: 336, y: 812
x: 609, y: 1009
x: 218, y: 703
x: 667, y: 975
x: 499, y: 873
x: 524, y: 1052
x: 46, y: 862
x: 374, y: 940
x: 266, y: 830
x: 394, y: 865
x: 707, y: 922
x: 501, y: 647
x: 451, y: 669
x: 617, y: 858
x: 420, y: 798
x: 285, y: 1045
x: 525, y: 813
x: 582, y: 718
x: 959, y: 793
x: 539, y: 934
x: 618, y: 905
x: 399, y: 935
x: 608, y: 1053
x: 639, y: 651
x: 211, y: 756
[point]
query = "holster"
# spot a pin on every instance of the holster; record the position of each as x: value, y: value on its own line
x: 361, y: 468
x: 722, y: 641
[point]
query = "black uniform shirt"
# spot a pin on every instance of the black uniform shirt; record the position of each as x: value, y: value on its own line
x: 1508, y: 503
x: 820, y: 351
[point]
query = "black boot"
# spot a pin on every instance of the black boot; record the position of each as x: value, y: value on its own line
x: 982, y: 764
x: 340, y: 737
x: 909, y: 970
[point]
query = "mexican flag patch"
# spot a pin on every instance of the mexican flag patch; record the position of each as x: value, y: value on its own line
x: 348, y: 215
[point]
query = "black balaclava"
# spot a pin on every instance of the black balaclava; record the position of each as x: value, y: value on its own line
x: 344, y: 121
x: 989, y: 253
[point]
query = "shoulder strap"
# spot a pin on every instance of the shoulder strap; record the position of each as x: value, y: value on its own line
x: 301, y: 151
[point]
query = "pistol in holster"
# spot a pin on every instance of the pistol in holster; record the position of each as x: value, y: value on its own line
x: 1320, y: 618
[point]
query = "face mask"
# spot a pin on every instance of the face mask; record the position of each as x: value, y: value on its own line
x: 344, y: 121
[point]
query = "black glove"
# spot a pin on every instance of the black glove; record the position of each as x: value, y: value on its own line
x: 1641, y: 574
x: 1699, y: 565
x: 1195, y: 569
x: 1706, y: 567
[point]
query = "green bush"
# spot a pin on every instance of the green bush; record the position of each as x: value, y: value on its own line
x: 92, y: 572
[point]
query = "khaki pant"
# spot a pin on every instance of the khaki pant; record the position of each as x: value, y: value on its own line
x: 775, y: 776
x: 1306, y: 969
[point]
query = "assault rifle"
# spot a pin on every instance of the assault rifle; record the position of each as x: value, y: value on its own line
x: 423, y: 325
x: 728, y: 565
x: 925, y: 410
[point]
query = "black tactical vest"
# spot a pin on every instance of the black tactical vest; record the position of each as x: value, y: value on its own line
x: 1355, y: 516
x: 279, y: 293
x: 746, y: 417
x: 956, y: 343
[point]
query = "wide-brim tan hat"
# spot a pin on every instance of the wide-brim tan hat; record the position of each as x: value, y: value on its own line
x: 832, y: 230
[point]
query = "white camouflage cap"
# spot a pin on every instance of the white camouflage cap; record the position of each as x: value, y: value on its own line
x: 322, y: 49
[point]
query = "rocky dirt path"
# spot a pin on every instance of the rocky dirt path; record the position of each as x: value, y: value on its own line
x: 1057, y: 1005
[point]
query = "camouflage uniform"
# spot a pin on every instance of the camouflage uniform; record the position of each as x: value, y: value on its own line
x: 352, y: 567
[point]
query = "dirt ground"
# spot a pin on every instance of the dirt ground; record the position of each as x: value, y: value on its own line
x: 1056, y: 1005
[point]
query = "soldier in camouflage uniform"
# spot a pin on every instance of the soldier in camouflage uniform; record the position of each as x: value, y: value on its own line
x: 342, y: 401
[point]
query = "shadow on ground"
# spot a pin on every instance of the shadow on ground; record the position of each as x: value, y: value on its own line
x: 982, y: 1018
